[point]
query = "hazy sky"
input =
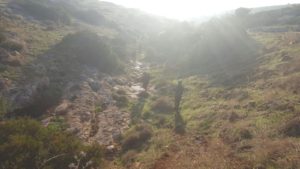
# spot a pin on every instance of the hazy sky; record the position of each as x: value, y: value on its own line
x: 184, y: 9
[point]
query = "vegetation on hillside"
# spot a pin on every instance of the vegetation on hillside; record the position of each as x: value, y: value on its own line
x: 240, y: 88
x: 43, y: 10
x: 220, y: 48
x: 88, y: 48
x: 26, y: 144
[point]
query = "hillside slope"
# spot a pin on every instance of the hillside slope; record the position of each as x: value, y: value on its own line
x: 89, y: 84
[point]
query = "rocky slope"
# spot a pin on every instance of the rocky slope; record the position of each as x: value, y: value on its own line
x: 40, y: 82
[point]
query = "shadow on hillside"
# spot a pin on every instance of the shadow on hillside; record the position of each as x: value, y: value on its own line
x: 179, y: 127
x: 78, y: 56
x: 137, y: 109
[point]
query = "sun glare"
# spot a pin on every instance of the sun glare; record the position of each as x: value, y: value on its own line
x: 184, y: 9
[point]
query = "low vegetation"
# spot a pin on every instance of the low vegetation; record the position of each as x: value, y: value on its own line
x: 12, y: 45
x: 162, y: 105
x: 44, y: 10
x: 240, y: 99
x: 88, y: 48
x: 136, y: 137
x: 26, y: 144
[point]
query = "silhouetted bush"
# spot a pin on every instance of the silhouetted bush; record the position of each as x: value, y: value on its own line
x: 220, y: 48
x: 292, y: 128
x: 45, y: 98
x: 88, y: 48
x: 25, y: 144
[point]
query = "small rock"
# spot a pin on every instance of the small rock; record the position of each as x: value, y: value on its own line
x: 86, y: 116
x: 110, y: 148
x: 62, y: 109
x: 46, y: 122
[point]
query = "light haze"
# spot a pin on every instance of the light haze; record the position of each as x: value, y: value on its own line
x: 186, y: 9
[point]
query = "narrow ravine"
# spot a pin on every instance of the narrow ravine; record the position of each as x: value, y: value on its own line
x: 109, y: 124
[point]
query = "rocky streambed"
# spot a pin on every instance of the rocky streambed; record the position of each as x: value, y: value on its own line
x: 87, y: 103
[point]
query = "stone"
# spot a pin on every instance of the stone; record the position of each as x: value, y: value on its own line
x: 85, y: 116
x: 62, y: 109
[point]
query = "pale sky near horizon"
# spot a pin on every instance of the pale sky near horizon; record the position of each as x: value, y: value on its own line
x: 186, y: 9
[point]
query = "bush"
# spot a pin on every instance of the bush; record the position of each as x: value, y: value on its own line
x: 224, y: 51
x: 12, y: 45
x: 233, y: 135
x: 44, y: 11
x: 121, y: 100
x: 162, y: 105
x: 292, y: 128
x: 47, y: 96
x: 136, y: 138
x: 25, y: 144
x: 88, y: 48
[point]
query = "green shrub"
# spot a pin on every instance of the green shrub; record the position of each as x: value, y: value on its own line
x: 135, y: 138
x: 88, y: 48
x: 224, y: 50
x: 57, y: 123
x: 25, y: 144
